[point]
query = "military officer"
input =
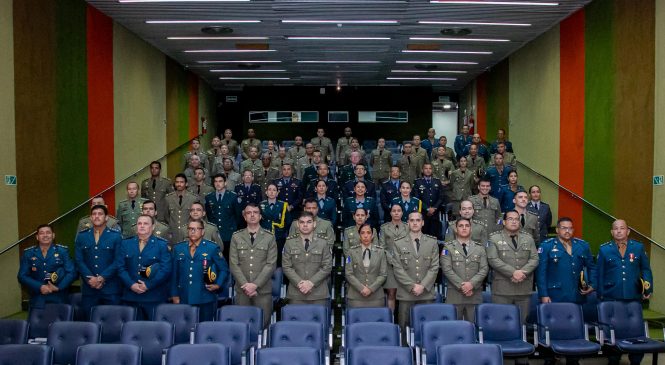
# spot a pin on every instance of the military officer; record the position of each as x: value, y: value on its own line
x: 46, y: 269
x: 360, y: 172
x: 486, y: 207
x: 129, y: 209
x: 160, y: 229
x: 213, y: 152
x: 360, y: 200
x: 416, y: 265
x: 196, y: 151
x: 541, y: 209
x: 343, y: 144
x: 307, y: 264
x: 268, y: 173
x: 289, y: 188
x: 305, y: 161
x: 324, y: 227
x: 482, y: 148
x: 86, y: 222
x: 232, y: 178
x: 461, y: 140
x: 297, y: 151
x: 528, y: 219
x: 408, y: 203
x: 198, y: 185
x: 464, y: 265
x: 389, y: 191
x: 419, y: 153
x: 223, y: 210
x: 497, y: 174
x: 230, y: 142
x: 478, y: 228
x: 390, y: 231
x: 155, y: 188
x: 219, y: 160
x: 565, y: 261
x: 248, y: 191
x: 252, y: 261
x: 501, y: 139
x: 365, y: 271
x: 475, y: 161
x: 323, y: 174
x: 199, y: 271
x: 178, y: 204
x: 323, y: 144
x: 430, y: 192
x: 275, y: 216
x: 95, y: 260
x: 461, y: 182
x: 348, y: 172
x: 509, y: 159
x: 430, y: 143
x: 381, y: 161
x: 327, y: 207
x: 282, y: 158
x: 353, y: 147
x: 512, y: 255
x: 350, y: 236
x: 253, y: 163
x: 441, y: 165
x: 408, y: 165
x: 144, y: 269
x: 309, y: 170
x: 450, y: 154
x: 250, y: 141
x: 195, y: 163
x: 198, y: 212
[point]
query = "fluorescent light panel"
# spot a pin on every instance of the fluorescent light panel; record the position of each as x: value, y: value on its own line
x: 339, y: 38
x: 475, y: 23
x: 349, y: 62
x: 227, y: 50
x: 212, y: 21
x: 429, y: 71
x: 445, y: 52
x: 478, y: 2
x: 458, y: 39
x: 422, y: 78
x: 235, y: 70
x: 440, y: 62
x: 368, y: 22
x: 254, y: 78
x: 216, y: 38
x: 239, y: 61
x: 180, y: 1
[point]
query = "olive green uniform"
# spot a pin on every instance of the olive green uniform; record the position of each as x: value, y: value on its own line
x: 314, y: 264
x: 389, y: 233
x: 459, y: 267
x: 372, y: 276
x: 127, y: 216
x: 156, y: 190
x: 381, y: 162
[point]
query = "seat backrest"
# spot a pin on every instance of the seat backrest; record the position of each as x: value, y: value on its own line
x: 108, y: 354
x: 371, y: 334
x: 66, y: 337
x: 625, y: 317
x: 356, y: 315
x: 391, y: 143
x: 253, y: 316
x: 233, y: 335
x: 499, y: 322
x: 277, y: 281
x: 209, y: 353
x: 307, y: 313
x: 13, y: 331
x: 288, y: 144
x: 590, y: 308
x: 369, y: 144
x: 29, y: 354
x: 532, y: 316
x: 485, y: 354
x: 564, y: 321
x: 439, y: 333
x: 287, y: 356
x: 41, y: 318
x: 421, y: 313
x: 152, y: 337
x: 384, y: 355
x: 75, y: 301
x: 183, y: 316
x: 111, y: 318
x: 297, y: 334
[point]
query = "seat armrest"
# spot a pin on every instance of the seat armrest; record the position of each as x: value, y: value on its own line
x: 480, y: 335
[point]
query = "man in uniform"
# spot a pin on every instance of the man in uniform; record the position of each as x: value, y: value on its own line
x: 475, y: 162
x: 198, y: 185
x: 408, y: 166
x: 281, y: 158
x: 419, y: 153
x: 248, y: 192
x: 541, y: 209
x: 450, y: 153
x: 389, y: 191
x: 360, y: 174
x: 199, y: 271
x: 86, y: 222
x: 230, y: 142
x: 196, y: 151
x: 129, y: 209
x: 478, y: 228
x: 197, y: 212
x: 155, y: 188
x: 381, y: 160
x: 461, y: 140
x: 46, y: 269
x: 528, y: 219
x: 486, y: 207
x: 268, y: 173
x: 250, y: 141
x: 464, y: 265
x: 323, y: 144
x: 501, y: 139
x: 195, y: 162
x: 441, y: 165
x: 415, y: 265
x: 160, y: 229
x: 430, y: 192
x: 482, y: 148
x: 253, y: 163
x: 307, y: 263
x: 305, y: 161
x: 347, y: 172
x: 324, y: 228
x: 296, y: 151
x: 323, y: 174
x: 353, y: 147
x: 310, y: 170
x: 213, y: 152
x: 252, y: 261
x: 144, y: 269
x: 497, y: 174
x: 508, y: 158
x: 95, y: 260
x: 290, y: 188
x: 512, y: 255
x: 232, y: 177
x: 223, y: 210
x: 343, y: 144
x: 178, y: 204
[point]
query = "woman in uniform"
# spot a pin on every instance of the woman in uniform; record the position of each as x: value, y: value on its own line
x: 360, y: 200
x: 390, y: 231
x: 365, y: 271
x: 408, y: 203
x: 461, y: 183
x: 351, y: 237
x: 327, y: 205
x: 275, y: 217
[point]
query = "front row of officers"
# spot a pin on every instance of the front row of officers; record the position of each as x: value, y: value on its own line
x: 143, y: 271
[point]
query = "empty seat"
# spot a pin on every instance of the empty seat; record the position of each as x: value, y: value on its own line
x: 309, y: 312
x: 439, y: 333
x: 499, y: 324
x: 40, y: 319
x: 66, y: 337
x: 111, y: 318
x: 183, y: 316
x: 23, y: 354
x: 13, y: 331
x: 561, y: 328
x: 299, y: 334
x: 108, y: 354
x: 210, y: 353
x: 368, y: 334
x: 357, y: 315
x: 422, y: 313
x: 253, y: 316
x: 152, y: 337
x: 484, y: 354
x: 287, y: 356
x: 391, y: 143
x: 384, y: 355
x: 233, y: 335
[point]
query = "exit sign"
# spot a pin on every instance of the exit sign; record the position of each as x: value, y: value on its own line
x: 658, y: 180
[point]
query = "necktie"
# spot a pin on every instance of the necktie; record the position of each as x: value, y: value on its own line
x: 306, y: 244
x: 141, y: 245
x: 133, y: 204
x: 522, y: 220
x: 396, y: 183
x: 416, y: 150
x: 514, y: 239
x: 417, y: 244
x: 265, y: 172
x: 485, y: 202
x: 321, y: 201
x: 154, y: 184
x: 464, y: 248
x: 409, y: 159
x: 396, y: 227
x: 180, y: 200
x: 380, y: 152
x: 320, y: 142
x: 310, y: 160
x: 219, y: 198
x: 97, y: 234
x: 537, y: 206
x: 298, y: 149
x: 473, y: 161
x: 367, y: 255
x: 251, y: 237
x: 198, y: 189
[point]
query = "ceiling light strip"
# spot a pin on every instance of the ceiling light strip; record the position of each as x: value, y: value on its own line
x: 254, y: 78
x: 460, y: 39
x: 234, y: 70
x: 439, y: 62
x: 430, y: 71
x: 211, y: 21
x: 475, y: 23
x: 227, y: 50
x: 447, y: 52
x: 239, y: 61
x: 339, y: 38
x: 340, y: 61
x: 422, y: 78
x: 481, y: 2
x: 299, y: 21
x: 216, y: 38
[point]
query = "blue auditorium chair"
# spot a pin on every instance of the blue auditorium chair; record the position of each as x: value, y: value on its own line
x: 309, y: 313
x: 23, y: 354
x: 485, y: 354
x: 300, y: 334
x: 233, y: 335
x: 287, y: 356
x: 13, y: 331
x: 183, y: 316
x: 499, y: 324
x: 111, y: 318
x: 422, y: 313
x: 108, y: 354
x: 153, y: 338
x: 439, y: 333
x: 39, y: 319
x: 561, y: 328
x: 66, y: 337
x: 383, y: 355
x: 378, y: 314
x: 253, y: 316
x: 368, y: 334
x: 209, y: 353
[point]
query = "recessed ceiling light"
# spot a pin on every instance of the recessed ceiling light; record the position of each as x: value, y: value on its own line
x: 429, y: 71
x: 228, y: 50
x: 339, y: 38
x: 232, y: 61
x: 422, y: 78
x: 216, y: 38
x: 475, y: 23
x: 458, y: 39
x: 254, y: 78
x: 235, y: 70
x: 350, y: 62
x: 368, y: 22
x: 445, y: 52
x: 440, y: 62
x: 480, y: 2
x: 212, y: 21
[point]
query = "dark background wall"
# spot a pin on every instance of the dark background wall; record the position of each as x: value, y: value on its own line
x: 415, y: 100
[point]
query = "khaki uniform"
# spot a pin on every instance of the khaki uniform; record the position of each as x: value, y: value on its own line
x: 233, y: 146
x: 409, y: 168
x: 441, y: 169
x: 509, y: 159
x: 278, y: 162
x: 254, y: 166
x: 352, y: 238
x: 200, y: 190
x: 301, y: 164
x: 421, y: 155
x: 476, y: 164
x: 127, y: 216
x: 347, y: 156
x: 450, y: 154
x: 389, y: 233
x: 359, y: 276
x: 461, y: 187
x: 296, y: 152
x: 381, y: 162
x: 410, y: 268
x: 490, y: 215
x: 202, y: 154
x: 189, y: 172
x: 254, y: 263
x: 459, y: 268
x: 531, y: 225
x: 343, y: 144
x: 177, y: 215
x: 478, y: 232
x: 232, y: 179
x: 324, y: 229
x: 246, y: 144
x: 324, y: 144
x: 504, y: 259
x: 161, y: 230
x: 266, y: 176
x: 86, y: 222
x: 314, y: 265
x: 211, y: 233
x: 163, y: 186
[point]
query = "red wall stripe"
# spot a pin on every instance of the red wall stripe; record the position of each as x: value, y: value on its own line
x: 481, y: 107
x: 99, y: 39
x: 571, y: 145
x: 193, y: 92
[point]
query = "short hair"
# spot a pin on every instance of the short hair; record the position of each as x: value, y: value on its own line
x: 180, y: 174
x: 306, y: 215
x: 251, y: 205
x: 152, y: 219
x: 484, y: 179
x: 564, y: 219
x: 197, y: 203
x: 365, y: 225
x: 310, y: 200
x: 156, y: 163
x: 200, y: 168
x: 458, y: 220
x: 44, y: 225
x: 149, y: 201
x: 360, y: 164
x: 222, y: 175
x: 199, y: 221
x: 416, y: 212
x: 505, y: 214
x: 99, y: 206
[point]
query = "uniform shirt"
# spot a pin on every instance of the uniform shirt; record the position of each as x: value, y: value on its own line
x: 544, y: 217
x: 408, y: 206
x: 389, y: 190
x: 314, y: 264
x: 202, y: 154
x: 36, y: 270
x: 343, y: 144
x: 459, y: 267
x: 412, y: 266
x: 504, y: 258
x: 157, y: 194
x: 483, y: 151
x: 248, y: 194
x: 359, y: 276
x: 410, y: 168
x: 86, y: 222
x: 296, y: 152
x: 389, y: 233
x: 232, y: 180
x: 200, y: 190
x: 349, y: 186
x: 332, y: 192
x: 350, y: 206
x: 246, y: 144
x: 279, y: 161
x: 487, y: 210
x: 352, y: 238
x: 460, y: 142
x: 461, y: 184
x: 253, y: 262
x: 324, y: 229
x: 430, y: 192
x: 290, y: 191
x: 381, y: 161
x: 266, y: 176
x: 498, y: 179
x: 441, y: 168
x: 506, y: 197
x: 478, y: 232
x: 327, y: 209
x: 421, y: 156
x: 324, y: 144
x: 127, y: 216
x: 508, y: 159
x: 255, y: 166
x: 476, y: 164
x: 177, y: 214
x: 275, y: 217
x: 154, y: 261
x: 224, y: 212
x: 187, y: 279
x: 309, y: 174
x: 232, y: 144
x: 161, y: 230
x: 619, y: 277
x: 558, y: 275
x: 98, y: 259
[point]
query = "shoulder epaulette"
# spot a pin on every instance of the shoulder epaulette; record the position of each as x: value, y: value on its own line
x: 61, y: 246
x: 267, y: 231
x: 113, y: 229
x: 293, y: 236
x: 160, y: 239
x: 238, y: 231
x: 180, y: 243
x: 171, y: 193
x: 524, y: 232
x: 385, y: 224
x: 323, y: 219
x: 355, y: 245
x: 532, y: 213
x: 496, y: 232
x: 429, y: 236
x: 30, y: 248
x: 606, y: 243
x: 321, y: 235
x: 479, y: 222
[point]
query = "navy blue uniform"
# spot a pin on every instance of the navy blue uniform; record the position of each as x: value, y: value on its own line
x: 350, y: 206
x: 619, y: 277
x: 389, y: 191
x: 460, y: 144
x: 246, y: 195
x: 430, y: 193
x: 558, y: 273
x: 413, y: 205
x: 506, y: 196
x: 327, y: 210
x: 187, y: 278
x: 224, y: 213
x: 98, y: 259
x: 276, y: 218
x: 350, y: 185
x: 309, y: 176
x: 333, y: 189
x: 290, y: 191
x: 499, y: 180
x: 37, y: 270
x: 152, y: 266
x: 495, y: 144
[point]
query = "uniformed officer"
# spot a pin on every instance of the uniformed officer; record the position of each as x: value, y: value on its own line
x: 508, y: 157
x: 497, y: 174
x: 194, y: 164
x: 178, y: 204
x: 275, y: 216
x: 542, y: 209
x: 230, y: 142
x: 486, y: 207
x: 86, y: 222
x: 389, y: 191
x: 95, y: 260
x: 390, y: 231
x: 309, y: 170
x: 416, y: 265
x: 483, y: 151
x: 282, y: 159
x: 419, y: 153
x: 155, y: 188
x: 144, y: 269
x: 198, y: 212
x: 160, y: 229
x: 253, y: 163
x: 198, y: 184
x: 46, y: 269
x: 450, y: 153
x: 250, y: 141
x: 528, y: 219
x: 289, y: 188
x: 353, y: 147
x: 512, y: 255
x: 196, y: 151
x: 305, y: 161
x: 129, y: 209
x: 360, y: 172
x: 501, y: 140
x: 430, y: 143
x: 327, y: 207
x: 213, y: 152
x: 381, y: 161
x: 324, y: 228
x: 222, y: 155
x: 343, y: 144
x: 408, y: 165
x: 461, y: 140
x: 267, y: 174
x: 365, y: 271
x: 199, y: 271
x: 323, y: 174
x: 431, y: 194
x: 461, y: 185
x: 408, y: 203
x: 348, y: 171
x: 566, y: 268
x: 223, y: 210
x: 360, y: 200
x: 232, y: 177
x: 248, y: 191
x: 350, y: 236
x: 478, y: 228
x: 476, y: 162
x: 624, y: 274
x: 441, y: 165
x: 252, y: 261
x: 507, y: 194
x: 323, y: 144
x: 464, y: 265
x: 307, y: 264
x: 296, y: 151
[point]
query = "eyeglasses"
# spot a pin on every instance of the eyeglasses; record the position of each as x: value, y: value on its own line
x: 194, y: 229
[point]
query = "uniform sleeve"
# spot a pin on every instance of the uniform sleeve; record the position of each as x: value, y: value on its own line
x: 80, y: 259
x: 164, y: 269
x: 383, y: 274
x: 70, y: 270
x: 234, y: 263
x: 120, y: 264
x: 271, y: 263
x: 430, y: 278
x: 448, y: 272
x: 590, y: 264
x: 496, y: 263
x: 532, y: 264
x: 174, y: 273
x: 541, y: 272
x: 600, y: 273
x: 111, y: 270
x: 479, y: 277
x: 326, y: 267
x: 350, y: 275
x: 222, y: 267
x: 24, y: 275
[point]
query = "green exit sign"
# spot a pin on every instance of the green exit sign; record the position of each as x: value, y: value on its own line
x: 658, y: 180
x: 10, y: 179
